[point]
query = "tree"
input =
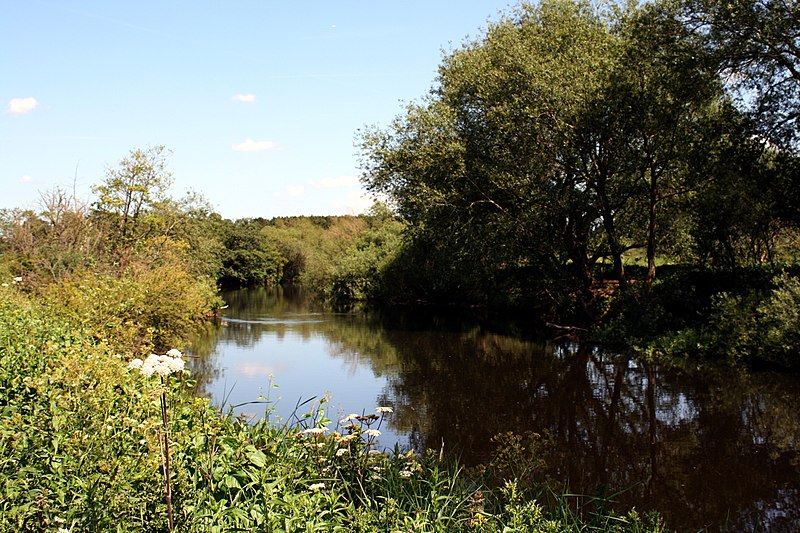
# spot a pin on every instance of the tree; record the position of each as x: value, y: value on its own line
x: 756, y: 46
x: 485, y: 169
x: 249, y: 257
x: 659, y: 95
x: 129, y: 193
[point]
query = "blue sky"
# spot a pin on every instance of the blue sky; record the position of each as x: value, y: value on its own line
x: 259, y: 101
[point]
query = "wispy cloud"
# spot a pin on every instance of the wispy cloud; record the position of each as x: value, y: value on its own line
x: 356, y: 203
x: 20, y: 106
x: 291, y: 190
x: 335, y: 183
x: 249, y: 145
x: 244, y: 98
x: 26, y: 179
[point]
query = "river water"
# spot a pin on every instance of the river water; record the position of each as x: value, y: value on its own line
x: 711, y: 448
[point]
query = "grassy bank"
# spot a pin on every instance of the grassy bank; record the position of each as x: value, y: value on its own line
x: 81, y: 440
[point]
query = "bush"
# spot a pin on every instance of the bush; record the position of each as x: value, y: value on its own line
x: 144, y: 309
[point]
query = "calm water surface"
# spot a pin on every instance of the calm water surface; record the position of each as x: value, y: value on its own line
x: 712, y: 448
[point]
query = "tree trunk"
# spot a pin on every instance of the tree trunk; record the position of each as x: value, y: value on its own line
x: 651, y: 229
x: 611, y: 233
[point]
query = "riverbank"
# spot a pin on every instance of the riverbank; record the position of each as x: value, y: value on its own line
x: 81, y: 451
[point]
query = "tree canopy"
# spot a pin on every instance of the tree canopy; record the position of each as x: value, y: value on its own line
x: 572, y: 133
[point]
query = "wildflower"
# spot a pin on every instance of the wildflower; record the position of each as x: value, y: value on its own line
x: 162, y: 365
x: 147, y: 370
x: 349, y: 418
x: 316, y: 487
x: 175, y: 353
x: 313, y: 431
x: 384, y: 410
x: 406, y: 473
x: 4, y: 284
x: 373, y: 433
x: 342, y: 451
x: 346, y: 439
x: 18, y: 279
x: 176, y: 364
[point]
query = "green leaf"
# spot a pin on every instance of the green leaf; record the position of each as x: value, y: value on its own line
x: 256, y: 456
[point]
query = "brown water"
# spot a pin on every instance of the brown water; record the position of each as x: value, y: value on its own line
x: 713, y: 448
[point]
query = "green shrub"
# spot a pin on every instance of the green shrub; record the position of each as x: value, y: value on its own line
x: 144, y: 309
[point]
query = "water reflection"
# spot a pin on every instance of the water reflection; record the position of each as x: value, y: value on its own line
x: 714, y: 449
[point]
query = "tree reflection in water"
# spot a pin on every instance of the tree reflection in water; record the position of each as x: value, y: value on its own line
x: 710, y: 447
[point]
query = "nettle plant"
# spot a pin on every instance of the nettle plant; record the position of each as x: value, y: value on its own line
x: 163, y: 366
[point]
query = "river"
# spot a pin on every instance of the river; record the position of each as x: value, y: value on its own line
x: 711, y: 448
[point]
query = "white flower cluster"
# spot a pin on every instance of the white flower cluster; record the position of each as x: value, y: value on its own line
x: 161, y: 365
x: 16, y: 280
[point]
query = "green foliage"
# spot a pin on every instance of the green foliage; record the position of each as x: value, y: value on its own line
x: 128, y: 200
x: 80, y: 451
x: 746, y: 315
x: 250, y: 258
x: 74, y: 431
x: 756, y: 40
x: 762, y: 326
x: 140, y: 310
x: 563, y: 136
x: 360, y: 271
x: 311, y: 245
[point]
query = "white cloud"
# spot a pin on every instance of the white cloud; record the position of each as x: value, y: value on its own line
x: 249, y: 145
x: 26, y: 179
x: 245, y: 98
x: 356, y: 203
x: 20, y: 106
x: 291, y: 190
x: 335, y: 183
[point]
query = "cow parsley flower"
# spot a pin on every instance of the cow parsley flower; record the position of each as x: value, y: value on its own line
x: 313, y: 431
x: 384, y: 410
x: 161, y: 365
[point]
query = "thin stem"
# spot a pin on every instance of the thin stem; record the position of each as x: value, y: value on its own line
x: 165, y: 457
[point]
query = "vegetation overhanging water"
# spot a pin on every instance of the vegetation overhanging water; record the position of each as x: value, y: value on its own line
x: 707, y: 446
